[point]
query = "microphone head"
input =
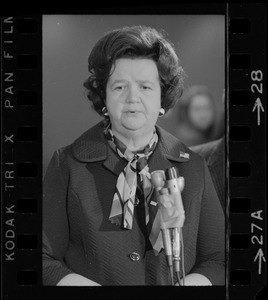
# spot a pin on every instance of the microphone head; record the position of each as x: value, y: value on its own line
x: 172, y: 173
x: 158, y: 179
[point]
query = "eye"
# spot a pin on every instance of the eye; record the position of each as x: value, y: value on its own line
x: 118, y: 88
x: 146, y: 87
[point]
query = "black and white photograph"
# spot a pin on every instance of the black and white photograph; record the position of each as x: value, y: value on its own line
x: 134, y: 185
x: 133, y: 154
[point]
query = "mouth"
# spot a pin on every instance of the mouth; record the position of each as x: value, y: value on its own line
x: 132, y: 112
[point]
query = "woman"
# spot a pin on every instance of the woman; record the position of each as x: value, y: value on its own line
x: 99, y: 204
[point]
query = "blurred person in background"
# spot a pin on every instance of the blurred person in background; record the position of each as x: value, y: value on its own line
x: 196, y: 119
x: 214, y: 153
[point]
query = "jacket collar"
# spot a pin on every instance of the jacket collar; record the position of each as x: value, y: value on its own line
x: 92, y: 146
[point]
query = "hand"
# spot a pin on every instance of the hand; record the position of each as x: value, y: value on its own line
x: 76, y: 280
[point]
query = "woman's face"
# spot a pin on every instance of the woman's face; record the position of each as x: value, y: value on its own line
x: 201, y: 113
x: 133, y: 96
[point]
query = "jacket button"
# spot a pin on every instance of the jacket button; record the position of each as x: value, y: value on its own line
x: 134, y: 256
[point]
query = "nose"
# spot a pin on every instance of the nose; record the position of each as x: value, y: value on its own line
x: 133, y: 94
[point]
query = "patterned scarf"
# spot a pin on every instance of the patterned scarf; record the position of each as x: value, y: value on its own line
x: 122, y: 211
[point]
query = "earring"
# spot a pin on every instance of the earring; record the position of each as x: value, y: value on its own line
x: 161, y: 112
x: 105, y: 111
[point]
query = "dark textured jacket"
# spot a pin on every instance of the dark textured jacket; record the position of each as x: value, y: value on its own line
x: 78, y: 238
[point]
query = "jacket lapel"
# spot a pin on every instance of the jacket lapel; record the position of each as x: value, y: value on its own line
x: 113, y: 162
x: 92, y: 146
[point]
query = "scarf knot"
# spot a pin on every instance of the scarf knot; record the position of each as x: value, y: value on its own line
x: 122, y: 211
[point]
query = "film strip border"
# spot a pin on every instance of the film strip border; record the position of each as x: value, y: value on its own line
x: 247, y: 150
x: 21, y: 120
x: 21, y: 94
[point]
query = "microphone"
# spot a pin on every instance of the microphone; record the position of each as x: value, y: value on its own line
x: 158, y: 181
x: 168, y: 185
x: 175, y: 185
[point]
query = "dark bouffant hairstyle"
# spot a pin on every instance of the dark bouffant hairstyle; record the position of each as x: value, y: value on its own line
x: 134, y: 42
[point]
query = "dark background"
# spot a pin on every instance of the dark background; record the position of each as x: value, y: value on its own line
x: 199, y: 41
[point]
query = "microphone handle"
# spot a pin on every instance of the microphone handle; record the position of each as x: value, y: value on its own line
x: 176, y: 239
x: 168, y: 250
